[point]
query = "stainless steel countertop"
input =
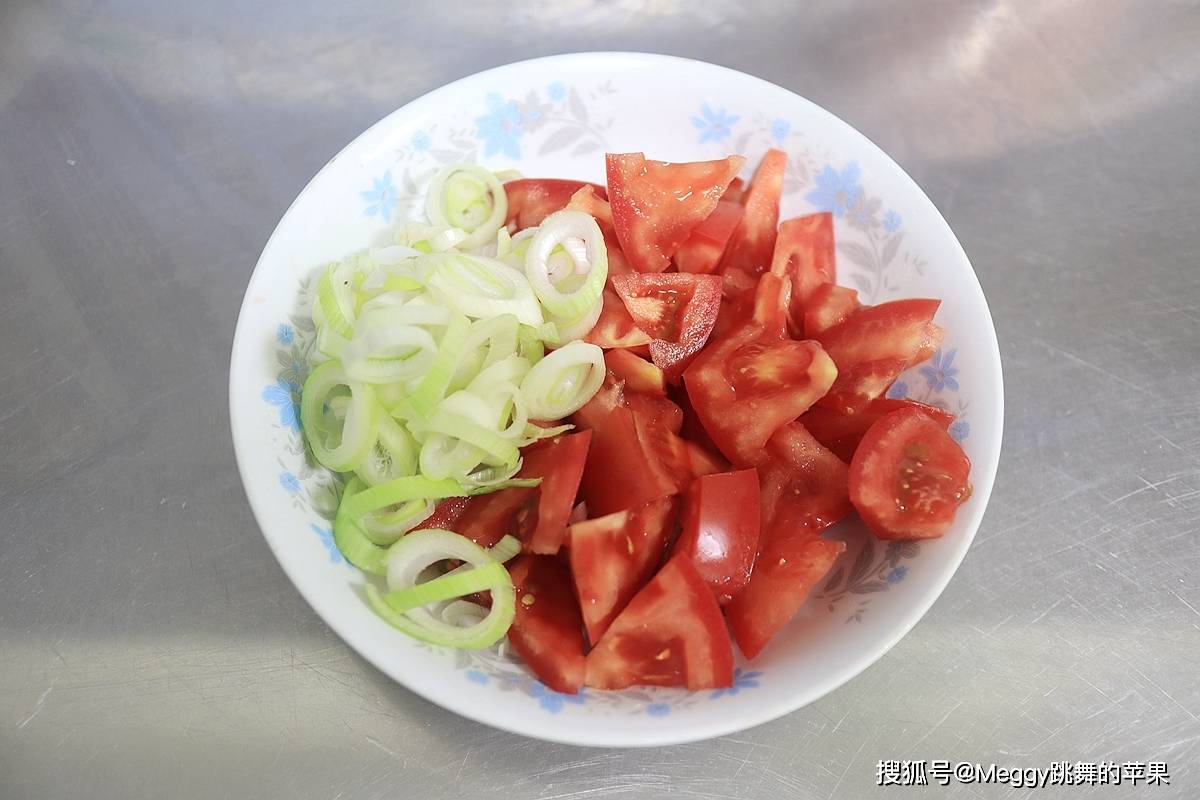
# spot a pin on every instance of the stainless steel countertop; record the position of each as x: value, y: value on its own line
x: 151, y: 647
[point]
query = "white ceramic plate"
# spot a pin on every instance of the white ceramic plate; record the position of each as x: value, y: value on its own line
x: 555, y: 117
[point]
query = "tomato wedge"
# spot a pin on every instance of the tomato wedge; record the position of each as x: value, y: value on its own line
x: 772, y: 300
x: 446, y: 514
x: 841, y: 433
x: 559, y: 462
x: 720, y: 522
x: 638, y: 373
x: 677, y: 311
x: 737, y: 188
x: 613, y: 556
x: 656, y: 204
x: 803, y: 484
x: 531, y: 200
x: 908, y: 476
x: 655, y: 410
x: 610, y: 395
x: 701, y: 252
x: 750, y: 247
x: 804, y: 255
x: 670, y: 634
x: 488, y: 518
x: 751, y: 383
x: 872, y: 347
x: 631, y: 462
x: 703, y: 461
x: 546, y: 630
x: 615, y: 327
x: 829, y: 305
x: 592, y: 200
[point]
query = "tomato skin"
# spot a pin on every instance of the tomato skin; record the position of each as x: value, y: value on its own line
x: 614, y: 555
x: 772, y: 300
x: 841, y: 433
x: 615, y: 327
x: 702, y: 251
x: 656, y: 204
x: 750, y: 383
x: 677, y: 311
x: 720, y: 522
x: 828, y: 306
x: 488, y: 518
x: 872, y: 347
x: 670, y: 634
x: 908, y: 477
x: 737, y: 188
x: 804, y: 256
x: 547, y: 628
x: 639, y: 374
x: 446, y: 514
x: 750, y: 248
x: 655, y: 410
x: 703, y: 461
x: 559, y: 462
x: 802, y: 483
x: 531, y: 200
x: 629, y: 465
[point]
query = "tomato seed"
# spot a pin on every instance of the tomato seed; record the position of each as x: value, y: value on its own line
x: 529, y: 600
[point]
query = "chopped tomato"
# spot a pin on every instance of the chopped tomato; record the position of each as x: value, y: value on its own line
x: 592, y: 201
x: 703, y: 461
x: 638, y: 373
x: 804, y: 256
x: 613, y: 556
x: 803, y: 483
x: 908, y: 476
x: 531, y: 200
x: 719, y: 534
x: 656, y: 204
x: 546, y: 629
x: 446, y: 514
x: 615, y: 327
x: 701, y: 252
x: 841, y: 433
x: 750, y: 247
x: 488, y: 518
x: 610, y: 395
x: 559, y: 463
x: 677, y: 311
x: 749, y: 384
x: 829, y: 305
x: 771, y: 302
x: 631, y: 462
x: 670, y: 634
x: 737, y: 187
x: 654, y: 409
x: 872, y: 347
x: 692, y: 428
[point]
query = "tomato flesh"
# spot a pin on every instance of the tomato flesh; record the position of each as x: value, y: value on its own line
x: 804, y: 256
x: 446, y: 514
x: 908, y: 476
x: 841, y: 433
x: 531, y: 200
x: 828, y: 306
x: 631, y: 462
x: 546, y: 628
x: 656, y: 204
x: 720, y: 522
x: 613, y: 556
x: 488, y: 518
x: 749, y: 384
x: 615, y: 327
x: 639, y: 374
x: 559, y: 462
x: 702, y: 251
x: 677, y: 311
x: 749, y: 250
x: 670, y: 634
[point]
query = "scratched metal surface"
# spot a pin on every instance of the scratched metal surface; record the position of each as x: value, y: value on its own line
x: 150, y: 646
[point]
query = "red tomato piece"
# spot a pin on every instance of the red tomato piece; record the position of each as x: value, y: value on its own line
x: 531, y: 200
x: 655, y: 410
x: 737, y: 188
x: 670, y: 634
x: 751, y: 383
x: 701, y: 252
x: 908, y: 477
x: 547, y: 627
x: 803, y: 484
x: 615, y: 327
x: 829, y: 305
x: 750, y: 247
x: 639, y: 374
x: 591, y: 200
x: 656, y: 204
x: 446, y: 514
x: 610, y: 395
x: 841, y: 433
x: 872, y: 347
x: 488, y: 518
x: 772, y: 300
x: 804, y: 255
x: 704, y: 461
x: 677, y: 311
x: 720, y: 522
x: 631, y: 462
x: 613, y: 556
x: 559, y: 462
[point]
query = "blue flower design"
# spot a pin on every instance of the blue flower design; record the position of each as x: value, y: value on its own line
x: 290, y: 482
x: 891, y: 221
x: 556, y: 91
x: 658, y: 709
x: 896, y: 575
x: 741, y: 680
x: 285, y: 334
x: 326, y: 537
x: 381, y: 197
x: 836, y: 191
x: 551, y: 700
x: 940, y: 371
x: 714, y: 126
x: 500, y: 128
x: 960, y: 430
x: 898, y: 390
x: 286, y: 396
x: 420, y: 141
x: 475, y: 676
x: 780, y: 128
